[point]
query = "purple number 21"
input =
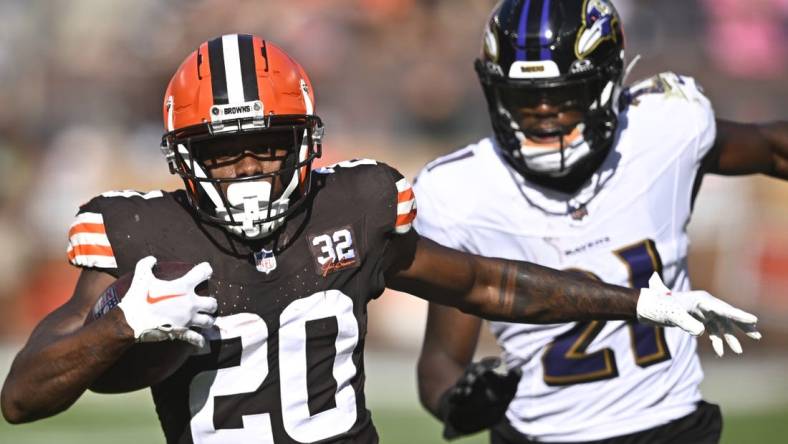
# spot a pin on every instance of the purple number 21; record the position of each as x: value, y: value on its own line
x: 566, y: 361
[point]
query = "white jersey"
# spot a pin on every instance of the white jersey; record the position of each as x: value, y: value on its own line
x: 590, y: 380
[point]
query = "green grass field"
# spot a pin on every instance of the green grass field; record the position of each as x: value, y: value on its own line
x: 130, y: 419
x: 755, y: 408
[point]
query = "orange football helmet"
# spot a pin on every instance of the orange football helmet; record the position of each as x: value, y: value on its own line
x: 240, y: 84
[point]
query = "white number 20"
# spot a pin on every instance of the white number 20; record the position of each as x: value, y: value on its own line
x: 253, y: 369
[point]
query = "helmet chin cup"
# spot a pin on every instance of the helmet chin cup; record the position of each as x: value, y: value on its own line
x: 244, y: 193
x: 250, y: 205
x: 555, y: 160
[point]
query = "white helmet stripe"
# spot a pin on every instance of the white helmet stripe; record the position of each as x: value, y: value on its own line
x: 232, y: 69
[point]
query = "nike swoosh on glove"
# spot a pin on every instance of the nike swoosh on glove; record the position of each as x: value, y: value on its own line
x: 159, y: 310
x: 694, y: 312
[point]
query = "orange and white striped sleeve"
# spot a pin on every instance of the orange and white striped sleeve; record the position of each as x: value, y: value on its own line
x: 88, y: 244
x: 406, y: 207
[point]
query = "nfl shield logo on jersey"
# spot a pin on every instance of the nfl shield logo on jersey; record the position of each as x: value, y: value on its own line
x: 265, y: 261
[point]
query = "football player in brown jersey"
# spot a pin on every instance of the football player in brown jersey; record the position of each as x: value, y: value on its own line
x: 294, y: 255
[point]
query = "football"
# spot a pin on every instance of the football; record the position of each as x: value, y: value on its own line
x: 143, y: 364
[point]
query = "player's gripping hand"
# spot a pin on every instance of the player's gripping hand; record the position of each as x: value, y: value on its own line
x: 160, y: 310
x: 479, y: 399
x: 694, y: 312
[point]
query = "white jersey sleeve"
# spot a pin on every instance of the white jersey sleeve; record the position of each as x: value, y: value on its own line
x: 437, y: 215
x: 697, y: 118
x: 428, y: 222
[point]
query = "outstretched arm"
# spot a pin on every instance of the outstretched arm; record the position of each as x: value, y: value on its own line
x: 499, y: 289
x: 506, y: 290
x: 748, y: 148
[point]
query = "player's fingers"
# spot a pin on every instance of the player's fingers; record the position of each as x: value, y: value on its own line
x: 725, y: 310
x: 730, y: 339
x: 684, y: 321
x: 202, y: 320
x: 749, y: 329
x: 739, y: 315
x: 733, y: 343
x: 153, y: 335
x: 716, y: 331
x: 754, y: 335
x: 196, y: 275
x: 655, y: 283
x: 701, y: 315
x: 143, y: 275
x: 190, y: 336
x: 144, y: 267
x: 716, y: 344
x: 206, y: 304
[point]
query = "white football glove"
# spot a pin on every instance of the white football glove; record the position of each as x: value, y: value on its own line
x: 693, y: 312
x: 159, y: 310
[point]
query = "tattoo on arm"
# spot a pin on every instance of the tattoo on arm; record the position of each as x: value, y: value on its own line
x: 506, y: 289
x: 534, y: 293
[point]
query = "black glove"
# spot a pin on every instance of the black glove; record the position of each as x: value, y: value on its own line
x: 479, y: 399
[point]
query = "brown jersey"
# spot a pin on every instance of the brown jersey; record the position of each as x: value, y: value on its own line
x: 284, y: 361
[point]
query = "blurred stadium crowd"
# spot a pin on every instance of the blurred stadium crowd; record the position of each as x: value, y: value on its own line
x: 82, y: 82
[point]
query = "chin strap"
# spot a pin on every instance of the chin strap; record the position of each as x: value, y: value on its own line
x: 563, y: 156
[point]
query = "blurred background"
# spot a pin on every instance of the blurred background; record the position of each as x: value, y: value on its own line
x: 81, y: 86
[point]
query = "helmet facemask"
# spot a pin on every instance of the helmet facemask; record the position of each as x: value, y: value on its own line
x: 593, y: 96
x: 242, y: 133
x: 251, y: 205
x: 543, y: 64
